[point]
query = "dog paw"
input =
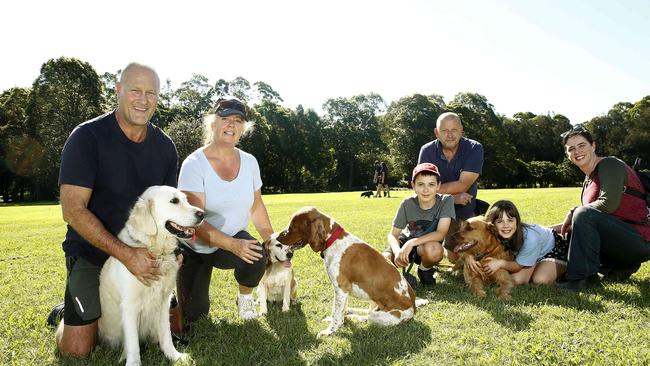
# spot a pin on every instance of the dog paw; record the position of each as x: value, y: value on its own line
x: 263, y: 310
x: 285, y: 308
x: 325, y: 333
x: 505, y: 297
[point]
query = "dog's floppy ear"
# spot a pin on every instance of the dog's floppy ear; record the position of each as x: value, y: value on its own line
x: 142, y: 217
x: 493, y: 229
x: 317, y: 238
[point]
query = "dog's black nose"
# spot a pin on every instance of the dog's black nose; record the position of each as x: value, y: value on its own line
x: 289, y: 255
x: 199, y: 215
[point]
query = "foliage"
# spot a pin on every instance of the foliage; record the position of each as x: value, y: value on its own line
x: 66, y: 93
x: 300, y: 150
x: 542, y: 325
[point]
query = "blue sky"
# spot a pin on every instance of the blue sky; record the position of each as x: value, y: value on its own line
x: 577, y: 58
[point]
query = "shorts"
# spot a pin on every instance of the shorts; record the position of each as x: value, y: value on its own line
x: 82, y: 305
x: 560, y: 252
x: 414, y: 257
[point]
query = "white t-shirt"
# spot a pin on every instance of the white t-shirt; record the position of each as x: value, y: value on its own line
x: 227, y: 203
x: 538, y: 241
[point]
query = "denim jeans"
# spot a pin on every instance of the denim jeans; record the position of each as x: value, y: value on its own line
x: 600, y: 239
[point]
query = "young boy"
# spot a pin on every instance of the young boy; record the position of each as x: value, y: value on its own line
x: 420, y: 224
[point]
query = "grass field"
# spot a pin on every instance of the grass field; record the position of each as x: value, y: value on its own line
x: 542, y: 325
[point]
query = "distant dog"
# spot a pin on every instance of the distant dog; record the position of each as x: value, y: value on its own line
x: 354, y: 268
x: 367, y: 194
x: 131, y: 311
x: 478, y: 238
x: 278, y: 283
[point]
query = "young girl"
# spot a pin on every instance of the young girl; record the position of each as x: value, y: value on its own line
x: 540, y: 252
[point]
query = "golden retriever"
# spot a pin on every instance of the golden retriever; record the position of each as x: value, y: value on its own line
x: 478, y: 238
x: 131, y: 311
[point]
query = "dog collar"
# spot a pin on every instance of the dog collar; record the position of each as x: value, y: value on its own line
x: 480, y: 256
x: 332, y: 238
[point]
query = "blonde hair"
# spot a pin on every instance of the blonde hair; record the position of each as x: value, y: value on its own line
x: 208, y: 134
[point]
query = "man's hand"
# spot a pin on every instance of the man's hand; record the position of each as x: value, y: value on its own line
x: 143, y: 265
x: 246, y: 249
x: 463, y: 198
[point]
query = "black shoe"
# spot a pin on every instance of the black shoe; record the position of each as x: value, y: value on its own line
x: 618, y: 274
x: 426, y: 277
x: 412, y: 281
x: 592, y: 281
x: 55, y: 315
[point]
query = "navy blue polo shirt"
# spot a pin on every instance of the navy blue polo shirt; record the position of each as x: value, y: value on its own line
x: 468, y: 158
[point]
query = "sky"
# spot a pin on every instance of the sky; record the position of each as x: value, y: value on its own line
x: 577, y: 58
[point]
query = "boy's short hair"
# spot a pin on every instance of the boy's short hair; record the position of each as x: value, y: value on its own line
x: 426, y: 169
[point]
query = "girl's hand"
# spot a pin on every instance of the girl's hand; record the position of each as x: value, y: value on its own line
x: 472, y: 264
x: 492, y: 265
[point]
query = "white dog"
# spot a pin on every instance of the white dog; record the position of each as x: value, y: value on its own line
x: 278, y: 283
x: 132, y: 311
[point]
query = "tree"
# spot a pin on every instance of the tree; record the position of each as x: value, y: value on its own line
x: 66, y: 93
x: 352, y: 129
x: 14, y: 143
x: 409, y: 123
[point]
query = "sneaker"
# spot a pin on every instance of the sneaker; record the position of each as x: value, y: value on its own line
x: 409, y: 278
x: 426, y: 277
x: 246, y: 305
x: 56, y: 315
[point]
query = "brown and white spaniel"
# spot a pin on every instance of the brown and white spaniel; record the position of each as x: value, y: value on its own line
x: 354, y: 268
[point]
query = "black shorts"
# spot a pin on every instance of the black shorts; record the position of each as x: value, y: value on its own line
x: 82, y: 305
x: 560, y: 251
x: 414, y: 257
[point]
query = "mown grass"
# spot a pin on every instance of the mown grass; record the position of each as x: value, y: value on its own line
x: 540, y: 326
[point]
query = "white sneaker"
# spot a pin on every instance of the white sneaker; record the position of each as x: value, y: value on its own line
x: 246, y: 305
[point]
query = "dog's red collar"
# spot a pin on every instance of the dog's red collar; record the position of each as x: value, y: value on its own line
x: 332, y: 238
x: 480, y: 256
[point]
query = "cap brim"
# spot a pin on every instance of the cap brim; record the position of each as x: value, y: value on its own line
x: 229, y: 112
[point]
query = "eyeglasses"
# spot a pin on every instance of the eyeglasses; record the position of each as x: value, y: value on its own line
x: 576, y: 128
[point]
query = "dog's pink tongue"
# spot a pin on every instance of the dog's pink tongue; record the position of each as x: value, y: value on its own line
x: 463, y: 246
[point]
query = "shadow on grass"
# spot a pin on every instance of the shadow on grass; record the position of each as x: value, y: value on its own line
x: 372, y: 344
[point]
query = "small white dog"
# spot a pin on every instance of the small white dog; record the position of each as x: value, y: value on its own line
x: 278, y: 283
x: 132, y: 311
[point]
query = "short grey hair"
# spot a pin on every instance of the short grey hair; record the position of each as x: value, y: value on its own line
x: 448, y: 116
x: 208, y: 135
x: 136, y: 65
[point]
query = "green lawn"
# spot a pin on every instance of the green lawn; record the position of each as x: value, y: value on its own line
x: 540, y: 326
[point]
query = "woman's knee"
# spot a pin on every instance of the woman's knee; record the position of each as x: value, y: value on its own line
x: 249, y: 275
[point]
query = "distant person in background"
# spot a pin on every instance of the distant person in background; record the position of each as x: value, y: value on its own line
x: 382, y: 176
x: 609, y: 232
x: 377, y: 172
x: 460, y: 161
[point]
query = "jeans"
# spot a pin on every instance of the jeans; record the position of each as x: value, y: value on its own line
x: 600, y: 239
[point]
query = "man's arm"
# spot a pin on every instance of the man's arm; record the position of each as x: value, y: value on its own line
x: 461, y: 185
x: 74, y: 205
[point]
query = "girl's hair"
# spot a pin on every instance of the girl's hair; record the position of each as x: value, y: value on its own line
x: 496, y: 212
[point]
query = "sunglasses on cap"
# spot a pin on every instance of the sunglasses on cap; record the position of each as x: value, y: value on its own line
x: 227, y: 107
x: 576, y: 128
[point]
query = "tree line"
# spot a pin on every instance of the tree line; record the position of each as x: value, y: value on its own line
x: 298, y: 149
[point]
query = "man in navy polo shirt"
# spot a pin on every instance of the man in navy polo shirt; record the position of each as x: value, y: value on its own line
x: 460, y: 161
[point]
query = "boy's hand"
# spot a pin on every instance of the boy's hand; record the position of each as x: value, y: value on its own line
x: 403, y: 255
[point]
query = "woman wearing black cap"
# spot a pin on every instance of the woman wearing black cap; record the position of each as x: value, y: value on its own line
x: 225, y: 182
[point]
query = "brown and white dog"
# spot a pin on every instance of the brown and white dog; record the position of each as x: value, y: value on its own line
x: 279, y: 282
x: 478, y: 238
x: 354, y: 268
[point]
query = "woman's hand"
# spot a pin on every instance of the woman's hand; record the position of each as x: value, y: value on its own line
x: 566, y: 225
x: 491, y: 265
x: 473, y: 264
x: 246, y: 249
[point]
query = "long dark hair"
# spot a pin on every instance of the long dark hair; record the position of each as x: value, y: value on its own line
x: 496, y: 211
